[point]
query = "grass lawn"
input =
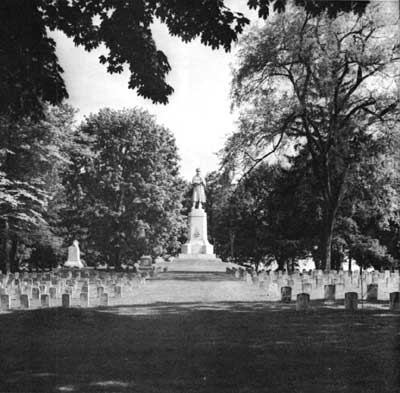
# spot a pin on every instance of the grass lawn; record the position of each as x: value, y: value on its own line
x: 227, y: 347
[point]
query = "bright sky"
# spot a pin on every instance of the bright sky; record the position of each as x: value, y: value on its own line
x: 199, y: 110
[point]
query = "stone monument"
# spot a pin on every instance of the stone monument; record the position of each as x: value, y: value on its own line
x: 197, y: 253
x: 197, y: 243
x: 74, y: 256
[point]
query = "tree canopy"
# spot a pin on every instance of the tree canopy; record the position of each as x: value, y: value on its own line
x: 275, y: 212
x: 32, y: 158
x: 29, y: 68
x: 123, y: 188
x: 320, y: 84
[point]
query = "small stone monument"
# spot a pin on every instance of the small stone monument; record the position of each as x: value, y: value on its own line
x: 74, y: 256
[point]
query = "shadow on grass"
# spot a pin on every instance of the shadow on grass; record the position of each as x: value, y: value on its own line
x: 197, y: 347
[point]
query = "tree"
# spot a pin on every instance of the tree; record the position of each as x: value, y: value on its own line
x: 266, y: 214
x: 316, y: 82
x: 29, y: 68
x: 368, y: 219
x: 276, y: 211
x: 32, y: 156
x: 123, y: 188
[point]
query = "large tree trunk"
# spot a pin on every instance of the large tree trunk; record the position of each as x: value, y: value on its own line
x: 332, y: 203
x: 232, y: 244
x: 14, y: 265
x: 117, y: 259
x: 326, y: 254
x: 281, y: 262
x: 6, y: 248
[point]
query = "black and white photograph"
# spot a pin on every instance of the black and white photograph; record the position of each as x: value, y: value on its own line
x: 200, y: 196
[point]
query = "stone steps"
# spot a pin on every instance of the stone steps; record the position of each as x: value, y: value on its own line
x: 193, y: 276
x: 187, y: 291
x: 193, y: 265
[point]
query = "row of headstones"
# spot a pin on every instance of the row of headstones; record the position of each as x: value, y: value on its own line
x: 350, y: 298
x: 309, y: 283
x: 34, y: 290
x: 45, y: 301
x: 50, y: 286
x: 331, y: 277
x: 369, y: 292
x: 48, y: 300
x: 375, y: 275
x: 66, y: 273
x: 67, y: 279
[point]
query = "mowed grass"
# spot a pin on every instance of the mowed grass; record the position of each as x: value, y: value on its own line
x: 233, y: 347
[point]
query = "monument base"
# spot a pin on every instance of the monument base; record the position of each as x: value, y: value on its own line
x: 194, y: 263
x: 74, y: 265
x: 197, y: 257
x: 198, y: 248
x: 197, y: 253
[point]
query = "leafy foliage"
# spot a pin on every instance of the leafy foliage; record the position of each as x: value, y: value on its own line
x: 123, y: 188
x: 276, y: 211
x: 31, y: 75
x: 368, y: 222
x: 32, y: 156
x: 267, y: 214
x: 323, y: 84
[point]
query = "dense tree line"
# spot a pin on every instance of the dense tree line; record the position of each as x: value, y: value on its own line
x: 323, y: 86
x: 113, y: 183
x: 124, y: 195
x: 275, y: 213
x: 32, y: 158
x: 319, y: 86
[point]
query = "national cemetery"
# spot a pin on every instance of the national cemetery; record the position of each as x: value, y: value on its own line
x: 277, y: 271
x: 90, y: 330
x: 73, y: 285
x: 92, y: 288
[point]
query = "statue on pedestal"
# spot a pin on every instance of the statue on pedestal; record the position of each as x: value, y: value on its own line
x: 197, y: 254
x: 199, y: 194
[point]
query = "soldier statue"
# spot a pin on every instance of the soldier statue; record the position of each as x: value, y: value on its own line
x: 199, y: 195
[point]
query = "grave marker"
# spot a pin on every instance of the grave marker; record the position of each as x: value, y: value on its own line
x: 84, y: 299
x: 286, y: 294
x: 53, y: 292
x: 395, y: 301
x: 35, y: 293
x: 329, y: 292
x: 104, y: 300
x: 372, y: 292
x: 351, y: 300
x: 302, y: 301
x: 24, y: 300
x: 5, y: 302
x: 44, y: 300
x: 66, y: 300
x: 118, y: 291
x: 100, y: 291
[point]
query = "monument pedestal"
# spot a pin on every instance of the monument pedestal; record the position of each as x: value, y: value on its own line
x: 197, y: 253
x: 74, y: 265
x: 197, y: 235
